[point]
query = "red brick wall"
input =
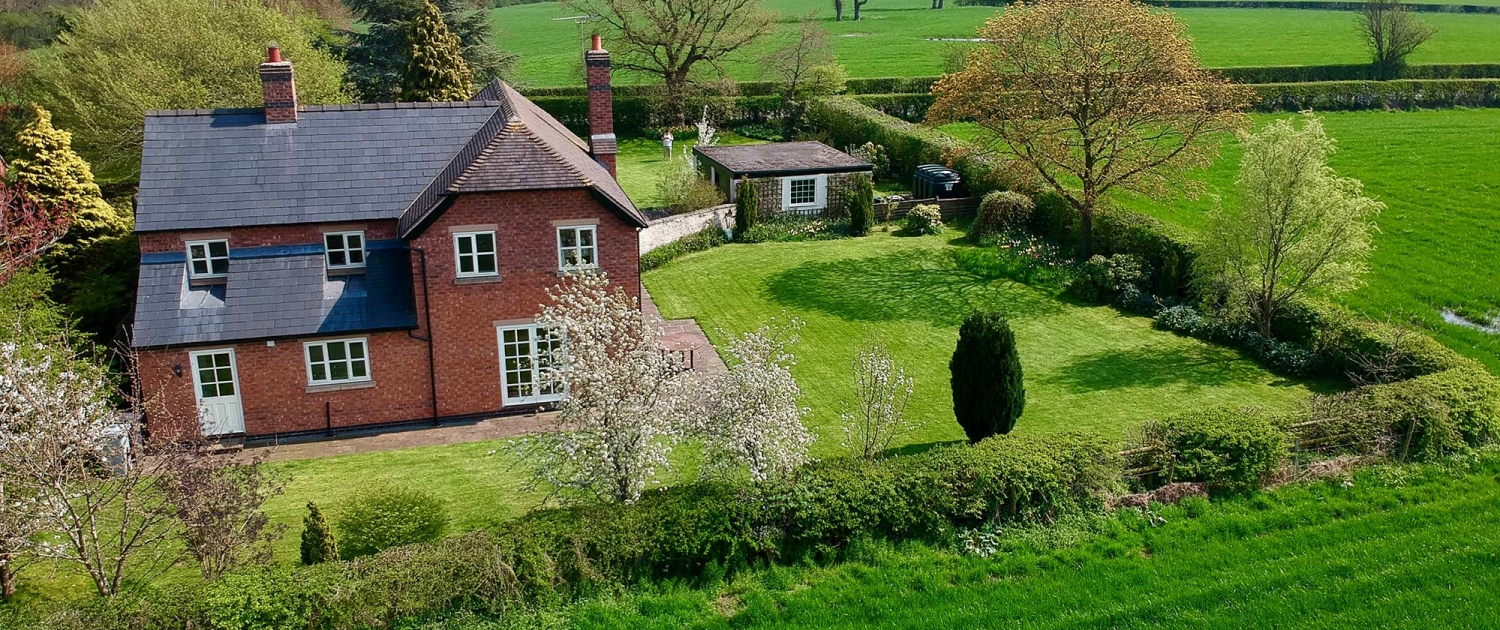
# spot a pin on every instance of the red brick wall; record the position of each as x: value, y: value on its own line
x: 274, y: 387
x: 264, y: 235
x: 464, y: 315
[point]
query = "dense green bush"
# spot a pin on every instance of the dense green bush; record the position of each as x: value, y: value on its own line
x: 387, y: 517
x: 1229, y: 450
x: 1437, y: 414
x: 707, y: 238
x: 318, y: 543
x: 267, y: 598
x: 746, y: 209
x: 1116, y: 279
x: 861, y: 207
x: 1001, y: 211
x: 1367, y: 351
x: 1165, y: 250
x: 923, y: 220
x: 989, y: 391
x: 791, y: 228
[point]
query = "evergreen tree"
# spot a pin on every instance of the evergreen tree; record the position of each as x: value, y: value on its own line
x: 318, y: 545
x: 988, y: 391
x: 377, y: 54
x: 746, y: 208
x: 435, y: 66
x: 53, y: 173
x: 861, y: 207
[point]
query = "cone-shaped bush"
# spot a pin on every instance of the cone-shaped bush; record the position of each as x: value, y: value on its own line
x: 988, y: 391
x: 318, y: 545
x: 861, y: 207
x: 746, y: 208
x: 435, y: 66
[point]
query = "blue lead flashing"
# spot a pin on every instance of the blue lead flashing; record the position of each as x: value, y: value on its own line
x: 267, y: 251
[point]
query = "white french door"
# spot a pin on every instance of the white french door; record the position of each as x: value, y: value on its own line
x: 526, y: 355
x: 216, y: 384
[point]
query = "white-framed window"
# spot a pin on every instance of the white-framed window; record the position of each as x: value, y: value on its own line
x: 804, y: 192
x: 344, y: 250
x: 208, y: 259
x: 337, y: 361
x: 527, y: 355
x: 475, y: 252
x: 577, y: 247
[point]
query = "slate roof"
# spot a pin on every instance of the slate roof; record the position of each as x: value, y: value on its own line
x: 228, y: 168
x: 273, y: 292
x: 783, y: 158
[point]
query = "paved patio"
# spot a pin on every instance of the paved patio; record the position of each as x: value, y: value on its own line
x: 683, y: 335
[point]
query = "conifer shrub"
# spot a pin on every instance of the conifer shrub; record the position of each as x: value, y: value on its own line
x: 318, y: 543
x: 861, y: 207
x: 435, y: 68
x: 388, y: 517
x: 746, y: 208
x: 989, y: 393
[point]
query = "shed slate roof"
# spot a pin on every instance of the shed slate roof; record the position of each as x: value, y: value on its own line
x: 783, y: 158
x: 273, y: 292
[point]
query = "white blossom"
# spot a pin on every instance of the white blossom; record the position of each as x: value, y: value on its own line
x: 881, y: 391
x: 750, y: 415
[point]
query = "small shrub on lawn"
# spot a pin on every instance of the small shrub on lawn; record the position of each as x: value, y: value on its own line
x: 708, y: 238
x: 923, y: 220
x: 1001, y: 212
x: 989, y: 393
x: 318, y: 544
x: 1230, y: 450
x: 389, y: 517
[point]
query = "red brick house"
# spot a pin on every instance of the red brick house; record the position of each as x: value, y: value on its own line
x: 306, y: 270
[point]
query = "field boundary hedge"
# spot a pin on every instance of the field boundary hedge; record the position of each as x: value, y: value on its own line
x: 1240, y: 74
x: 1310, y: 5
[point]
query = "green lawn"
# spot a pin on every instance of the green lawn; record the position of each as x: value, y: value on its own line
x: 639, y: 164
x: 1087, y: 368
x: 1393, y: 549
x: 1439, y: 240
x: 893, y: 39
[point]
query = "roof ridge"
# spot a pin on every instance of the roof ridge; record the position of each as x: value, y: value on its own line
x: 345, y: 107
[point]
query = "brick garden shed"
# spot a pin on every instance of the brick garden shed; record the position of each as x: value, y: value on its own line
x: 789, y: 177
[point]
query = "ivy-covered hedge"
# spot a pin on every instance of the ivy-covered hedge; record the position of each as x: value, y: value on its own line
x: 844, y: 121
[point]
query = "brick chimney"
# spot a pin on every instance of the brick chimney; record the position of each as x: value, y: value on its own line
x: 279, y: 89
x: 601, y: 106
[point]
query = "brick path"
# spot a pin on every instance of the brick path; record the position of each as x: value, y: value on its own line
x: 679, y: 334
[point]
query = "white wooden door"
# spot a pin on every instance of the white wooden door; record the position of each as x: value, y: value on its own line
x: 218, y: 389
x: 526, y: 356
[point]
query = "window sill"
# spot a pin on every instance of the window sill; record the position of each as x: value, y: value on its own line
x: 476, y: 279
x: 338, y: 387
x: 576, y: 270
x: 208, y: 282
x: 346, y: 271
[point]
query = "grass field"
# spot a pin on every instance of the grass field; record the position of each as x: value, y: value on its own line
x: 1087, y: 368
x: 895, y: 38
x: 1439, y: 240
x: 1393, y: 549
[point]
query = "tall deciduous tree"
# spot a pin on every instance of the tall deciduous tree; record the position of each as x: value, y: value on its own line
x: 626, y: 399
x: 1093, y: 95
x: 435, y: 66
x: 1300, y: 230
x: 377, y: 55
x: 669, y: 38
x: 989, y: 393
x: 1391, y: 31
x: 804, y: 67
x: 120, y: 58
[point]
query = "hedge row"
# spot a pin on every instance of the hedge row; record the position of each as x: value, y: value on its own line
x: 693, y: 531
x: 1242, y: 74
x: 1315, y: 5
x: 1364, y: 95
x: 844, y: 121
x: 637, y: 113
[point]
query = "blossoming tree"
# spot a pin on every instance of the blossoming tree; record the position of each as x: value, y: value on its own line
x: 750, y: 415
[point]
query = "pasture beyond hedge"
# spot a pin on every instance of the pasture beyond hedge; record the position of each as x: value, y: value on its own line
x: 896, y: 38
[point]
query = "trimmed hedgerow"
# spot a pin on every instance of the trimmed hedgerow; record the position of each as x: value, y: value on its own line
x: 1229, y: 450
x: 705, y: 239
x: 845, y: 121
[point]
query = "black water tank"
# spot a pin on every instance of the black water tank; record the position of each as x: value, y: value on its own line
x: 936, y: 180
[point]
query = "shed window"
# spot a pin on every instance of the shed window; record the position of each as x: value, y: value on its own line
x: 804, y: 191
x: 476, y: 254
x: 208, y: 259
x: 345, y: 249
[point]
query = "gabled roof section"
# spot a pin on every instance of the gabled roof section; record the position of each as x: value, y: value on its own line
x: 209, y: 169
x: 526, y: 150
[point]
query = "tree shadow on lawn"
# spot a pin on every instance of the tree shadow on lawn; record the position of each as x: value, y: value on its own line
x: 939, y: 287
x: 1156, y: 366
